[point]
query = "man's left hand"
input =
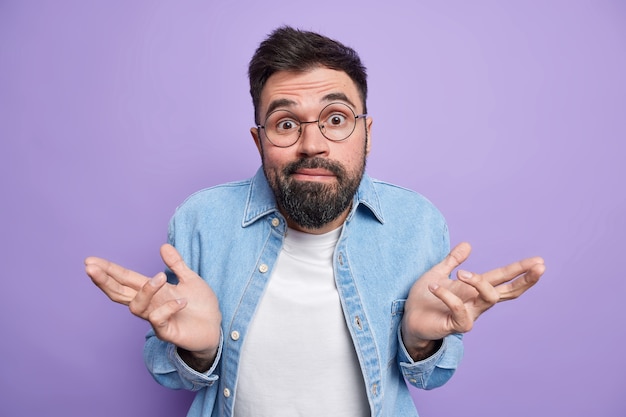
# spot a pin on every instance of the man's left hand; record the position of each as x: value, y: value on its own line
x: 438, y: 306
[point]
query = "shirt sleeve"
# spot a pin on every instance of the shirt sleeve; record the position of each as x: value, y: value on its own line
x: 435, y: 370
x: 162, y: 359
x: 169, y: 370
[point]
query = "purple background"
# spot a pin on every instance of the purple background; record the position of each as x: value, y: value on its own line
x: 509, y: 116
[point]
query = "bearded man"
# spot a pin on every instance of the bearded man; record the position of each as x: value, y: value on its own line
x: 310, y: 289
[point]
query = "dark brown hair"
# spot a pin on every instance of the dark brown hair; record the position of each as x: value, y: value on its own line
x: 289, y: 49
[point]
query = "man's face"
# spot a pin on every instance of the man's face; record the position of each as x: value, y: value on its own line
x: 315, y: 179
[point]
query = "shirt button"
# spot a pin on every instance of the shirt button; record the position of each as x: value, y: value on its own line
x: 359, y: 324
x: 263, y: 268
x: 275, y: 222
x: 226, y: 392
x: 234, y: 335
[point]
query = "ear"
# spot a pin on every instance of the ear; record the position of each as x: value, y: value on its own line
x: 368, y: 128
x: 254, y: 131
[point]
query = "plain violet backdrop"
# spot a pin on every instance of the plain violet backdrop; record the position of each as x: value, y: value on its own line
x: 509, y: 116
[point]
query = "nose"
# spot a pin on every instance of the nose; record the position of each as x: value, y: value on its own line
x: 312, y: 142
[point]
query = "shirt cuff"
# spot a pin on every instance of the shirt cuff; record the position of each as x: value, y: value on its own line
x: 435, y: 370
x: 196, y: 379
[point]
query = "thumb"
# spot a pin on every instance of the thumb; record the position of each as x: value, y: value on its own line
x: 456, y: 257
x: 175, y: 262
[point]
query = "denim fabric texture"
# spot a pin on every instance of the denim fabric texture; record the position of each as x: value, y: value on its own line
x: 231, y: 236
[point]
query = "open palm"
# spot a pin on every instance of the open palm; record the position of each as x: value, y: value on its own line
x: 186, y: 314
x: 438, y: 306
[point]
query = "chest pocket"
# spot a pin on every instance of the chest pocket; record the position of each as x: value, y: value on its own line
x: 397, y: 312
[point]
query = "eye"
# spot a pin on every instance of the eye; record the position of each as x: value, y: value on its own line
x: 286, y: 125
x: 336, y: 120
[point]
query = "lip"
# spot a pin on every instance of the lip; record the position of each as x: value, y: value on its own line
x: 313, y: 174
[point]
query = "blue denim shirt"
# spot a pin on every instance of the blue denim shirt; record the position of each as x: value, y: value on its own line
x: 231, y: 236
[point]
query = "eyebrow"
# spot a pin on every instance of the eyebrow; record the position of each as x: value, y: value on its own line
x: 281, y: 102
x: 338, y: 97
x: 284, y: 102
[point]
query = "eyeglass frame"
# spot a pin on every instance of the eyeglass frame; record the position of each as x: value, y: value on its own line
x: 300, y: 123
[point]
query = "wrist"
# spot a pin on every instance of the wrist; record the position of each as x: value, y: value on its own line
x: 199, y: 361
x: 418, y: 348
x: 423, y: 349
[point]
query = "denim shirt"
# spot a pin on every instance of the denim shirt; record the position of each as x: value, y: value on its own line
x: 232, y: 234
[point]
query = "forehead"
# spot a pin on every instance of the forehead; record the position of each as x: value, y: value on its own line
x: 307, y: 90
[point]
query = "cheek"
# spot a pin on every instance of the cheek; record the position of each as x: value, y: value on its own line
x: 352, y: 158
x: 275, y: 158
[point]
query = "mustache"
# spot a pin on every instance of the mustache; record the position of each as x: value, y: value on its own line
x: 315, y: 162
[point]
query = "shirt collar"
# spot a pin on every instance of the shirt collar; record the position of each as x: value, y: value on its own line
x: 261, y: 201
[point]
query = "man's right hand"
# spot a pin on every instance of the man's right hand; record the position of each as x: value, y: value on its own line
x: 186, y: 314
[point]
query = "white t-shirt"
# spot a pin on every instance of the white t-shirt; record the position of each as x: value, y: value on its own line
x: 298, y: 358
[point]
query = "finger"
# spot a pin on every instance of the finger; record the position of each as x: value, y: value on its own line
x: 140, y: 305
x: 456, y: 257
x: 160, y: 317
x: 111, y: 287
x: 517, y: 287
x: 461, y: 320
x: 175, y: 262
x: 120, y: 274
x: 486, y: 291
x: 507, y: 273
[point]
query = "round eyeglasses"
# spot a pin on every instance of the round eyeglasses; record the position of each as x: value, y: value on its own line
x: 336, y: 121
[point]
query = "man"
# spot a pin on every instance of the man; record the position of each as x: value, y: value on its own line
x: 310, y: 289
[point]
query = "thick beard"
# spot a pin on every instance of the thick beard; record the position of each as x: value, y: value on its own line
x: 312, y: 205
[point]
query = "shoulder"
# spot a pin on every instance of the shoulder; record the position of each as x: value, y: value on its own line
x: 215, y: 200
x: 397, y: 201
x: 390, y: 190
x: 230, y: 190
x: 405, y: 225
